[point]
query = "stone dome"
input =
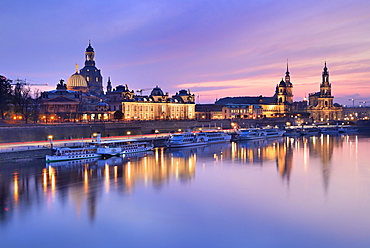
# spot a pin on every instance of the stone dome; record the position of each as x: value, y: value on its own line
x: 157, y: 92
x: 77, y: 82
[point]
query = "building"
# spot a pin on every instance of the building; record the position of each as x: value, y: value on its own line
x: 208, y: 111
x: 242, y: 111
x: 60, y: 104
x: 356, y: 113
x: 321, y: 106
x: 274, y: 106
x: 155, y: 106
x: 92, y: 74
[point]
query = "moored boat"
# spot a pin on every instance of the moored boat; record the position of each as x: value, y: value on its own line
x: 185, y: 139
x: 249, y: 134
x: 118, y: 147
x: 214, y: 136
x: 256, y: 133
x: 273, y: 132
x: 66, y: 153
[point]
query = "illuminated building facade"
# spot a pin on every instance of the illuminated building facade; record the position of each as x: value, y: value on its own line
x: 156, y: 106
x: 245, y: 111
x: 280, y: 103
x: 321, y: 106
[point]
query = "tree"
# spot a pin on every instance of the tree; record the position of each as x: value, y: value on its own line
x: 22, y: 101
x: 35, y: 106
x: 5, y: 95
x: 118, y: 115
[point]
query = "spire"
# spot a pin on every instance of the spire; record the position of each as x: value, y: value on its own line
x: 287, y: 68
x: 109, y: 85
x: 76, y: 68
x: 287, y: 74
x: 325, y: 76
x: 89, y: 42
x: 325, y: 72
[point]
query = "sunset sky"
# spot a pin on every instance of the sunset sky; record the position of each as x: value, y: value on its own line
x: 215, y: 48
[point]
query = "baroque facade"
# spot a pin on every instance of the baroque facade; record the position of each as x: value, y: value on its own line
x: 280, y: 103
x: 321, y: 105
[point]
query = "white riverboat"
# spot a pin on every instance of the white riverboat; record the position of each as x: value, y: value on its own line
x: 185, y: 139
x: 66, y: 153
x: 118, y: 147
x: 214, y: 136
x: 257, y: 133
x: 273, y: 132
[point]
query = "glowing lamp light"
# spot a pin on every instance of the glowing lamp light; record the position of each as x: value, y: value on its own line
x: 128, y: 132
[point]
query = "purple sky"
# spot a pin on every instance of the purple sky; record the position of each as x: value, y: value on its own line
x: 215, y: 48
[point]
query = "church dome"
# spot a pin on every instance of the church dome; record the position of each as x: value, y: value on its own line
x: 77, y: 82
x: 157, y: 92
x: 282, y: 83
x: 89, y: 48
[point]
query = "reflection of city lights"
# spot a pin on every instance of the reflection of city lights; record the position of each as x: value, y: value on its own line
x: 44, y: 179
x: 86, y: 180
x: 16, y: 188
x: 115, y: 173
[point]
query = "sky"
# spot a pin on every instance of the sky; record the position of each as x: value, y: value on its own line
x: 215, y: 48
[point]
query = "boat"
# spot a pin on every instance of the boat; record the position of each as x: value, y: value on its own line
x: 273, y: 132
x: 214, y: 136
x: 330, y: 130
x: 119, y: 147
x: 310, y: 131
x: 249, y: 134
x: 185, y: 139
x: 257, y: 133
x: 347, y: 129
x: 66, y: 153
x: 293, y: 132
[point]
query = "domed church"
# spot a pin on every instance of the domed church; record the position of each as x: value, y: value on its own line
x: 77, y: 82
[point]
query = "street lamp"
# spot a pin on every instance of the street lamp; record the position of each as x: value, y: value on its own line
x: 94, y: 135
x: 50, y: 138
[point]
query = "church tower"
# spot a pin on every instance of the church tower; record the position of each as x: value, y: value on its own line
x: 284, y: 90
x: 325, y: 99
x: 289, y: 85
x: 92, y: 74
x: 109, y: 85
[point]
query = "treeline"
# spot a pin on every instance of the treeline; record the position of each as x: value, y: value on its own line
x: 17, y: 100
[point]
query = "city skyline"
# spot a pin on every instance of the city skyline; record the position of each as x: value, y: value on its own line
x: 214, y: 48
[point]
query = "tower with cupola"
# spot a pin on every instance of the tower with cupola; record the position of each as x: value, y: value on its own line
x: 284, y: 90
x: 92, y: 74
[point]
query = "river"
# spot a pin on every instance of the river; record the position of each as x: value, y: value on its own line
x: 287, y: 192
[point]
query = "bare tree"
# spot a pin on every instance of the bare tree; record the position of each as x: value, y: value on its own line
x: 5, y: 95
x: 22, y: 101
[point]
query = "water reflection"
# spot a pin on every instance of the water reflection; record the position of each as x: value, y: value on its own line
x: 83, y: 183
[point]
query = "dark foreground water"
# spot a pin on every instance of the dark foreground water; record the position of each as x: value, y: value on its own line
x: 306, y: 192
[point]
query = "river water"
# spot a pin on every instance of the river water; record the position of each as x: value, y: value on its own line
x: 288, y: 192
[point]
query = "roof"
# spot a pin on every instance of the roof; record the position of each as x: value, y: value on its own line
x: 247, y: 100
x: 61, y: 99
x: 207, y: 107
